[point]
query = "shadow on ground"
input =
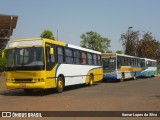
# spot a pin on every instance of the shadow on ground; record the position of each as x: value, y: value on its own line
x: 126, y: 80
x: 41, y: 92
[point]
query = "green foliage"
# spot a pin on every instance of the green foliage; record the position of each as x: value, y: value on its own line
x: 129, y: 42
x: 94, y: 41
x: 119, y: 52
x: 47, y: 34
x: 158, y: 67
x: 146, y: 46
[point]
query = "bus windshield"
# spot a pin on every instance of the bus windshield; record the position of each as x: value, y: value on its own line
x: 25, y: 59
x: 109, y: 63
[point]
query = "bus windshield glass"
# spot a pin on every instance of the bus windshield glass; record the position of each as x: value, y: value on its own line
x: 25, y: 59
x: 109, y: 63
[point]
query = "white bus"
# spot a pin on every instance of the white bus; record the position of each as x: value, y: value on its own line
x: 149, y: 67
x: 44, y: 63
x: 120, y: 66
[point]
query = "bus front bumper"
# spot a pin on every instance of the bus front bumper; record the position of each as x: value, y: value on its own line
x: 11, y: 85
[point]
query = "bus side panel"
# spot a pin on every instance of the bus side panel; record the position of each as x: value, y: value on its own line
x: 151, y: 71
x: 97, y: 73
x: 51, y: 77
x: 112, y: 75
x: 76, y: 74
x: 129, y: 72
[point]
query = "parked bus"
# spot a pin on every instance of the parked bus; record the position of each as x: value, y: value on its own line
x: 120, y: 66
x: 149, y: 67
x: 44, y: 63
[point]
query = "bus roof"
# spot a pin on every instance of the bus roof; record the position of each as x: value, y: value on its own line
x: 149, y: 59
x: 40, y: 41
x: 115, y: 54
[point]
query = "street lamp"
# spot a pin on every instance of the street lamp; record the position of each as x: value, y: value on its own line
x: 128, y: 31
x: 128, y: 39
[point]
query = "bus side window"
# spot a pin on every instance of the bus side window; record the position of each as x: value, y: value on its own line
x: 122, y: 59
x: 99, y: 60
x: 83, y: 58
x: 77, y: 55
x: 94, y: 59
x: 69, y: 55
x: 139, y: 63
x: 132, y: 62
x: 89, y: 58
x: 60, y: 55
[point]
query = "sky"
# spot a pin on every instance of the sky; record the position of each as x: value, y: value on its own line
x: 72, y: 18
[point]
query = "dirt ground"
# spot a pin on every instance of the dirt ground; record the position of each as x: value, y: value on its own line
x: 132, y: 95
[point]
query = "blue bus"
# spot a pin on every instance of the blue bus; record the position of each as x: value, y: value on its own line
x: 120, y: 66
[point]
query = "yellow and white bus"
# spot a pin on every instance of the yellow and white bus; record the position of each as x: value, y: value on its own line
x: 45, y: 63
x: 120, y: 66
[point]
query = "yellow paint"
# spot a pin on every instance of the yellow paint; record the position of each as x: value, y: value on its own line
x: 107, y: 55
x: 11, y: 85
x: 124, y: 69
x: 54, y: 42
x: 44, y: 40
x: 48, y: 76
x: 97, y: 73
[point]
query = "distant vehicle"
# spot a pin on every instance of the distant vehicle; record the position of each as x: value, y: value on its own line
x: 120, y: 66
x: 149, y: 67
x: 44, y: 63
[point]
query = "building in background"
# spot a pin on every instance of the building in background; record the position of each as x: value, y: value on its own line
x: 7, y: 24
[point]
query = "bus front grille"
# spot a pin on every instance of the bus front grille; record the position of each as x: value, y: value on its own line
x: 23, y: 80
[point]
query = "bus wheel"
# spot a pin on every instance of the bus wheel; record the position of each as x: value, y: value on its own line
x: 122, y: 78
x: 60, y: 85
x: 91, y: 80
x: 28, y: 91
x: 134, y: 77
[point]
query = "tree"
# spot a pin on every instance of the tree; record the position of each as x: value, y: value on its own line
x: 119, y: 52
x: 95, y: 41
x: 130, y: 41
x: 148, y: 46
x: 47, y: 34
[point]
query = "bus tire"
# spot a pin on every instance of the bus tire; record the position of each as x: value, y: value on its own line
x: 91, y: 80
x: 60, y: 84
x: 122, y: 78
x: 154, y: 74
x: 134, y: 77
x: 28, y: 91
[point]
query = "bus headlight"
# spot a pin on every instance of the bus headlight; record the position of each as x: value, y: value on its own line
x: 9, y: 80
x: 39, y: 79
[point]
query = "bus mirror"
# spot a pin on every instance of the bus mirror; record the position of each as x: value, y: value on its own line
x: 51, y: 51
x: 2, y: 54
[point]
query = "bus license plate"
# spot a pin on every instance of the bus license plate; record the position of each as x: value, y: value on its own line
x: 22, y: 85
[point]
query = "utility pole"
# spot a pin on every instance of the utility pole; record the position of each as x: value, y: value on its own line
x: 57, y: 34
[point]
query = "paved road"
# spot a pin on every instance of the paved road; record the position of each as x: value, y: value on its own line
x: 132, y: 95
